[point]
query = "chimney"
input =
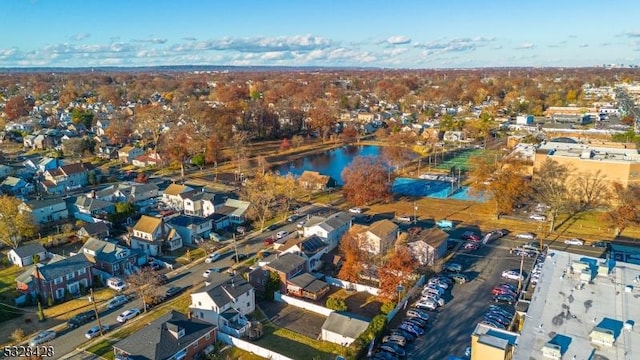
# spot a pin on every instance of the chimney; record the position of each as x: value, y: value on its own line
x: 189, y: 314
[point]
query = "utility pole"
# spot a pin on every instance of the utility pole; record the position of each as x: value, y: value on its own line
x: 95, y: 308
x: 235, y: 246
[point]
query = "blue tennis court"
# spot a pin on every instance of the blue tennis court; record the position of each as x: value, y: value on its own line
x: 432, y: 188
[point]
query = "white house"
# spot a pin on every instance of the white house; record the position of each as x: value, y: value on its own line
x: 380, y: 236
x: 342, y: 329
x: 201, y: 203
x: 329, y: 229
x: 225, y: 303
x: 153, y: 236
x: 175, y: 194
x: 311, y: 248
x: 23, y: 255
x: 45, y: 211
x: 235, y: 210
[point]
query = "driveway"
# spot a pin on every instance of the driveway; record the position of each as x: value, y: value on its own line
x: 293, y: 318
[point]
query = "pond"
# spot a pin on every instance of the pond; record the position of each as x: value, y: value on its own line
x: 330, y: 162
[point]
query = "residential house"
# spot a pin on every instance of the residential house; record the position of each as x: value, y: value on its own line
x: 313, y: 180
x: 287, y: 266
x: 225, y: 302
x: 343, y: 328
x: 6, y: 170
x: 192, y: 229
x: 329, y: 229
x: 202, y: 203
x: 45, y: 211
x: 175, y: 194
x: 24, y: 255
x: 128, y: 153
x: 235, y: 210
x: 43, y: 142
x: 107, y: 152
x: 101, y: 126
x: 172, y: 336
x: 93, y: 207
x: 150, y: 159
x: 59, y: 277
x: 153, y: 236
x: 47, y: 163
x: 311, y: 248
x: 98, y: 230
x: 66, y: 177
x: 16, y: 186
x: 110, y: 259
x: 428, y: 245
x: 379, y: 237
x: 307, y: 286
x: 127, y: 192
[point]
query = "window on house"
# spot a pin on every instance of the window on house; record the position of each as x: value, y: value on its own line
x: 116, y: 267
x: 207, y: 336
x: 248, y: 304
x: 82, y: 271
x: 199, y: 303
x: 195, y: 344
x: 57, y: 281
x: 201, y: 315
x: 70, y: 276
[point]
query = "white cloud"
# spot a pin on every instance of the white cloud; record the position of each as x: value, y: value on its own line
x: 632, y: 34
x: 435, y: 48
x: 79, y: 36
x: 583, y: 45
x: 152, y: 41
x: 257, y: 44
x: 525, y: 46
x: 398, y: 40
x: 395, y: 51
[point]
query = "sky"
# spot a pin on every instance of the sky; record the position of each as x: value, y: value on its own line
x: 410, y: 34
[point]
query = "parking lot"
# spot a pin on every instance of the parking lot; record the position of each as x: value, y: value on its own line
x: 454, y: 323
x: 293, y: 318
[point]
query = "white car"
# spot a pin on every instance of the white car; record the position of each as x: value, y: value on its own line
x: 117, y: 300
x: 128, y: 315
x: 355, y: 210
x: 512, y: 275
x: 212, y: 257
x: 95, y: 331
x: 281, y: 234
x: 43, y: 337
x: 574, y: 241
x: 208, y: 272
x: 537, y: 217
x: 426, y: 304
x: 528, y: 236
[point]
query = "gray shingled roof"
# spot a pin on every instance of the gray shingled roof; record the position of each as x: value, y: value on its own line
x: 287, y: 262
x: 62, y: 267
x: 156, y: 341
x: 29, y: 250
x: 345, y: 324
x: 226, y: 291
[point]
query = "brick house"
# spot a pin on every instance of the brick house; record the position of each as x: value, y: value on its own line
x: 111, y: 260
x: 57, y: 278
x: 287, y: 266
x: 172, y: 336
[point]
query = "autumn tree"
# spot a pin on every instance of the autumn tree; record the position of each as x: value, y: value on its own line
x: 260, y: 192
x: 240, y: 149
x: 81, y: 116
x: 349, y: 135
x: 297, y: 141
x: 146, y: 284
x: 150, y: 120
x: 15, y: 224
x: 213, y: 149
x: 354, y: 257
x: 397, y: 270
x: 398, y: 149
x: 501, y: 183
x: 16, y: 107
x: 288, y: 190
x: 365, y: 181
x: 628, y: 120
x: 551, y: 187
x: 625, y: 208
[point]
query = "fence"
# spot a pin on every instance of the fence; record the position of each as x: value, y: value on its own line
x: 252, y: 348
x: 303, y: 304
x: 403, y: 304
x: 351, y: 286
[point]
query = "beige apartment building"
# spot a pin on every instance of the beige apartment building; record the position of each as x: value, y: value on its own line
x: 615, y: 162
x: 488, y: 343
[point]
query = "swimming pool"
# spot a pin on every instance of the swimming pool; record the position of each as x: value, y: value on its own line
x: 433, y: 189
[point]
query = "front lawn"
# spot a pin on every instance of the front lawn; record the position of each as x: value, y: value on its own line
x: 69, y: 308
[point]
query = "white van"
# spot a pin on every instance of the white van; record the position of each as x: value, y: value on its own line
x: 116, y: 284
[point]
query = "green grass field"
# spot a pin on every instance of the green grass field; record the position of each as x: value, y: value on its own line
x: 461, y: 159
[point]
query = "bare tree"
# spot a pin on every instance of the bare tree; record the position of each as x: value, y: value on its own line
x: 590, y: 191
x: 146, y: 284
x: 260, y: 192
x: 551, y: 187
x: 625, y: 209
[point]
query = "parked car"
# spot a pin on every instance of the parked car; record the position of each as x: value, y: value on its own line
x: 537, y: 217
x: 355, y: 210
x: 239, y: 257
x: 155, y: 266
x: 404, y: 218
x: 396, y: 339
x: 116, y: 284
x: 600, y: 244
x: 208, y: 272
x: 417, y: 322
x: 526, y: 235
x: 426, y: 304
x: 574, y: 241
x: 512, y: 275
x: 501, y: 291
x: 471, y: 246
x: 272, y: 227
x: 505, y: 298
x: 42, y: 337
x: 497, y: 318
x: 407, y: 335
x: 212, y: 257
x: 393, y: 348
x: 498, y: 309
x: 417, y: 313
x: 470, y: 235
x: 172, y: 291
x: 128, y: 315
x: 492, y: 324
x: 269, y: 241
x: 459, y: 278
x: 453, y: 267
x: 117, y: 300
x: 491, y: 236
x: 281, y: 234
x: 95, y: 331
x: 81, y: 319
x: 412, y: 329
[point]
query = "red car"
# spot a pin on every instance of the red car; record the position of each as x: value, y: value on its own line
x: 470, y: 235
x: 471, y: 246
x: 269, y: 241
x: 502, y: 291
